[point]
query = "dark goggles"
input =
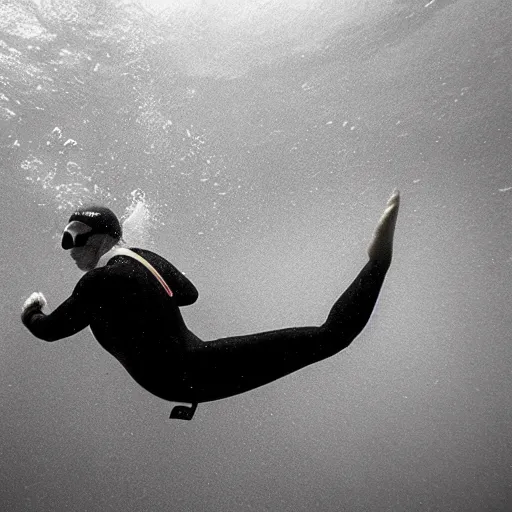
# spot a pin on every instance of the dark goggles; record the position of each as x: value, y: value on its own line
x: 76, y: 234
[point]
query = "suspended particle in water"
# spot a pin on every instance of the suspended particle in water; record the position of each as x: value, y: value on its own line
x: 73, y: 167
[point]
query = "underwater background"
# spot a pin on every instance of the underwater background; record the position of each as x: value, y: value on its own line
x: 255, y: 144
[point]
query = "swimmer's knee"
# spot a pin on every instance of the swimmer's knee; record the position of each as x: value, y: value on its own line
x: 334, y: 341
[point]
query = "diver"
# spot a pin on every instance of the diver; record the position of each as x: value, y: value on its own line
x: 131, y: 298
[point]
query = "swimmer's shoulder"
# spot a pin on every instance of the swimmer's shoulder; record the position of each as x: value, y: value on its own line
x: 155, y: 259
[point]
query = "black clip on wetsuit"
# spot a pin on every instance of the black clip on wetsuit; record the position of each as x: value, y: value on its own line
x: 183, y: 412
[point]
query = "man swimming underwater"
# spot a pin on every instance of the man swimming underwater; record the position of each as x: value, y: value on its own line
x: 130, y: 298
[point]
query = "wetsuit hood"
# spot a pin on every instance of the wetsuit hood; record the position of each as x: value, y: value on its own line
x: 87, y: 221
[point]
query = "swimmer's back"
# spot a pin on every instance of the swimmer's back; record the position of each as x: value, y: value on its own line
x: 129, y: 306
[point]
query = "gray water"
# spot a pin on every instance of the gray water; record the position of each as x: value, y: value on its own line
x: 263, y: 139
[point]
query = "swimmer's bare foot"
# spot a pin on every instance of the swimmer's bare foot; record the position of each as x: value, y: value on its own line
x: 381, y: 246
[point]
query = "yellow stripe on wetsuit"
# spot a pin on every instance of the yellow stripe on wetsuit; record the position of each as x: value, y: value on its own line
x: 122, y: 251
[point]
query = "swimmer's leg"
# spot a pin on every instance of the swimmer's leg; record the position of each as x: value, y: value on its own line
x: 352, y: 310
x: 229, y: 366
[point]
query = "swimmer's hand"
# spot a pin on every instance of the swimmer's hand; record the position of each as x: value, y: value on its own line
x: 36, y: 301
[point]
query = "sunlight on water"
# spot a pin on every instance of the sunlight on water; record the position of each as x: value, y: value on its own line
x: 67, y: 161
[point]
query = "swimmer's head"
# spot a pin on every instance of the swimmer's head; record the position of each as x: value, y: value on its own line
x: 90, y: 233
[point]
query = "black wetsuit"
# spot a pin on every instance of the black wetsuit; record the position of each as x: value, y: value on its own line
x: 134, y: 319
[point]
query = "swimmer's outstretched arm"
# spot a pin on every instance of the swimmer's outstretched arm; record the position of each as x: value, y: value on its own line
x: 73, y: 315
